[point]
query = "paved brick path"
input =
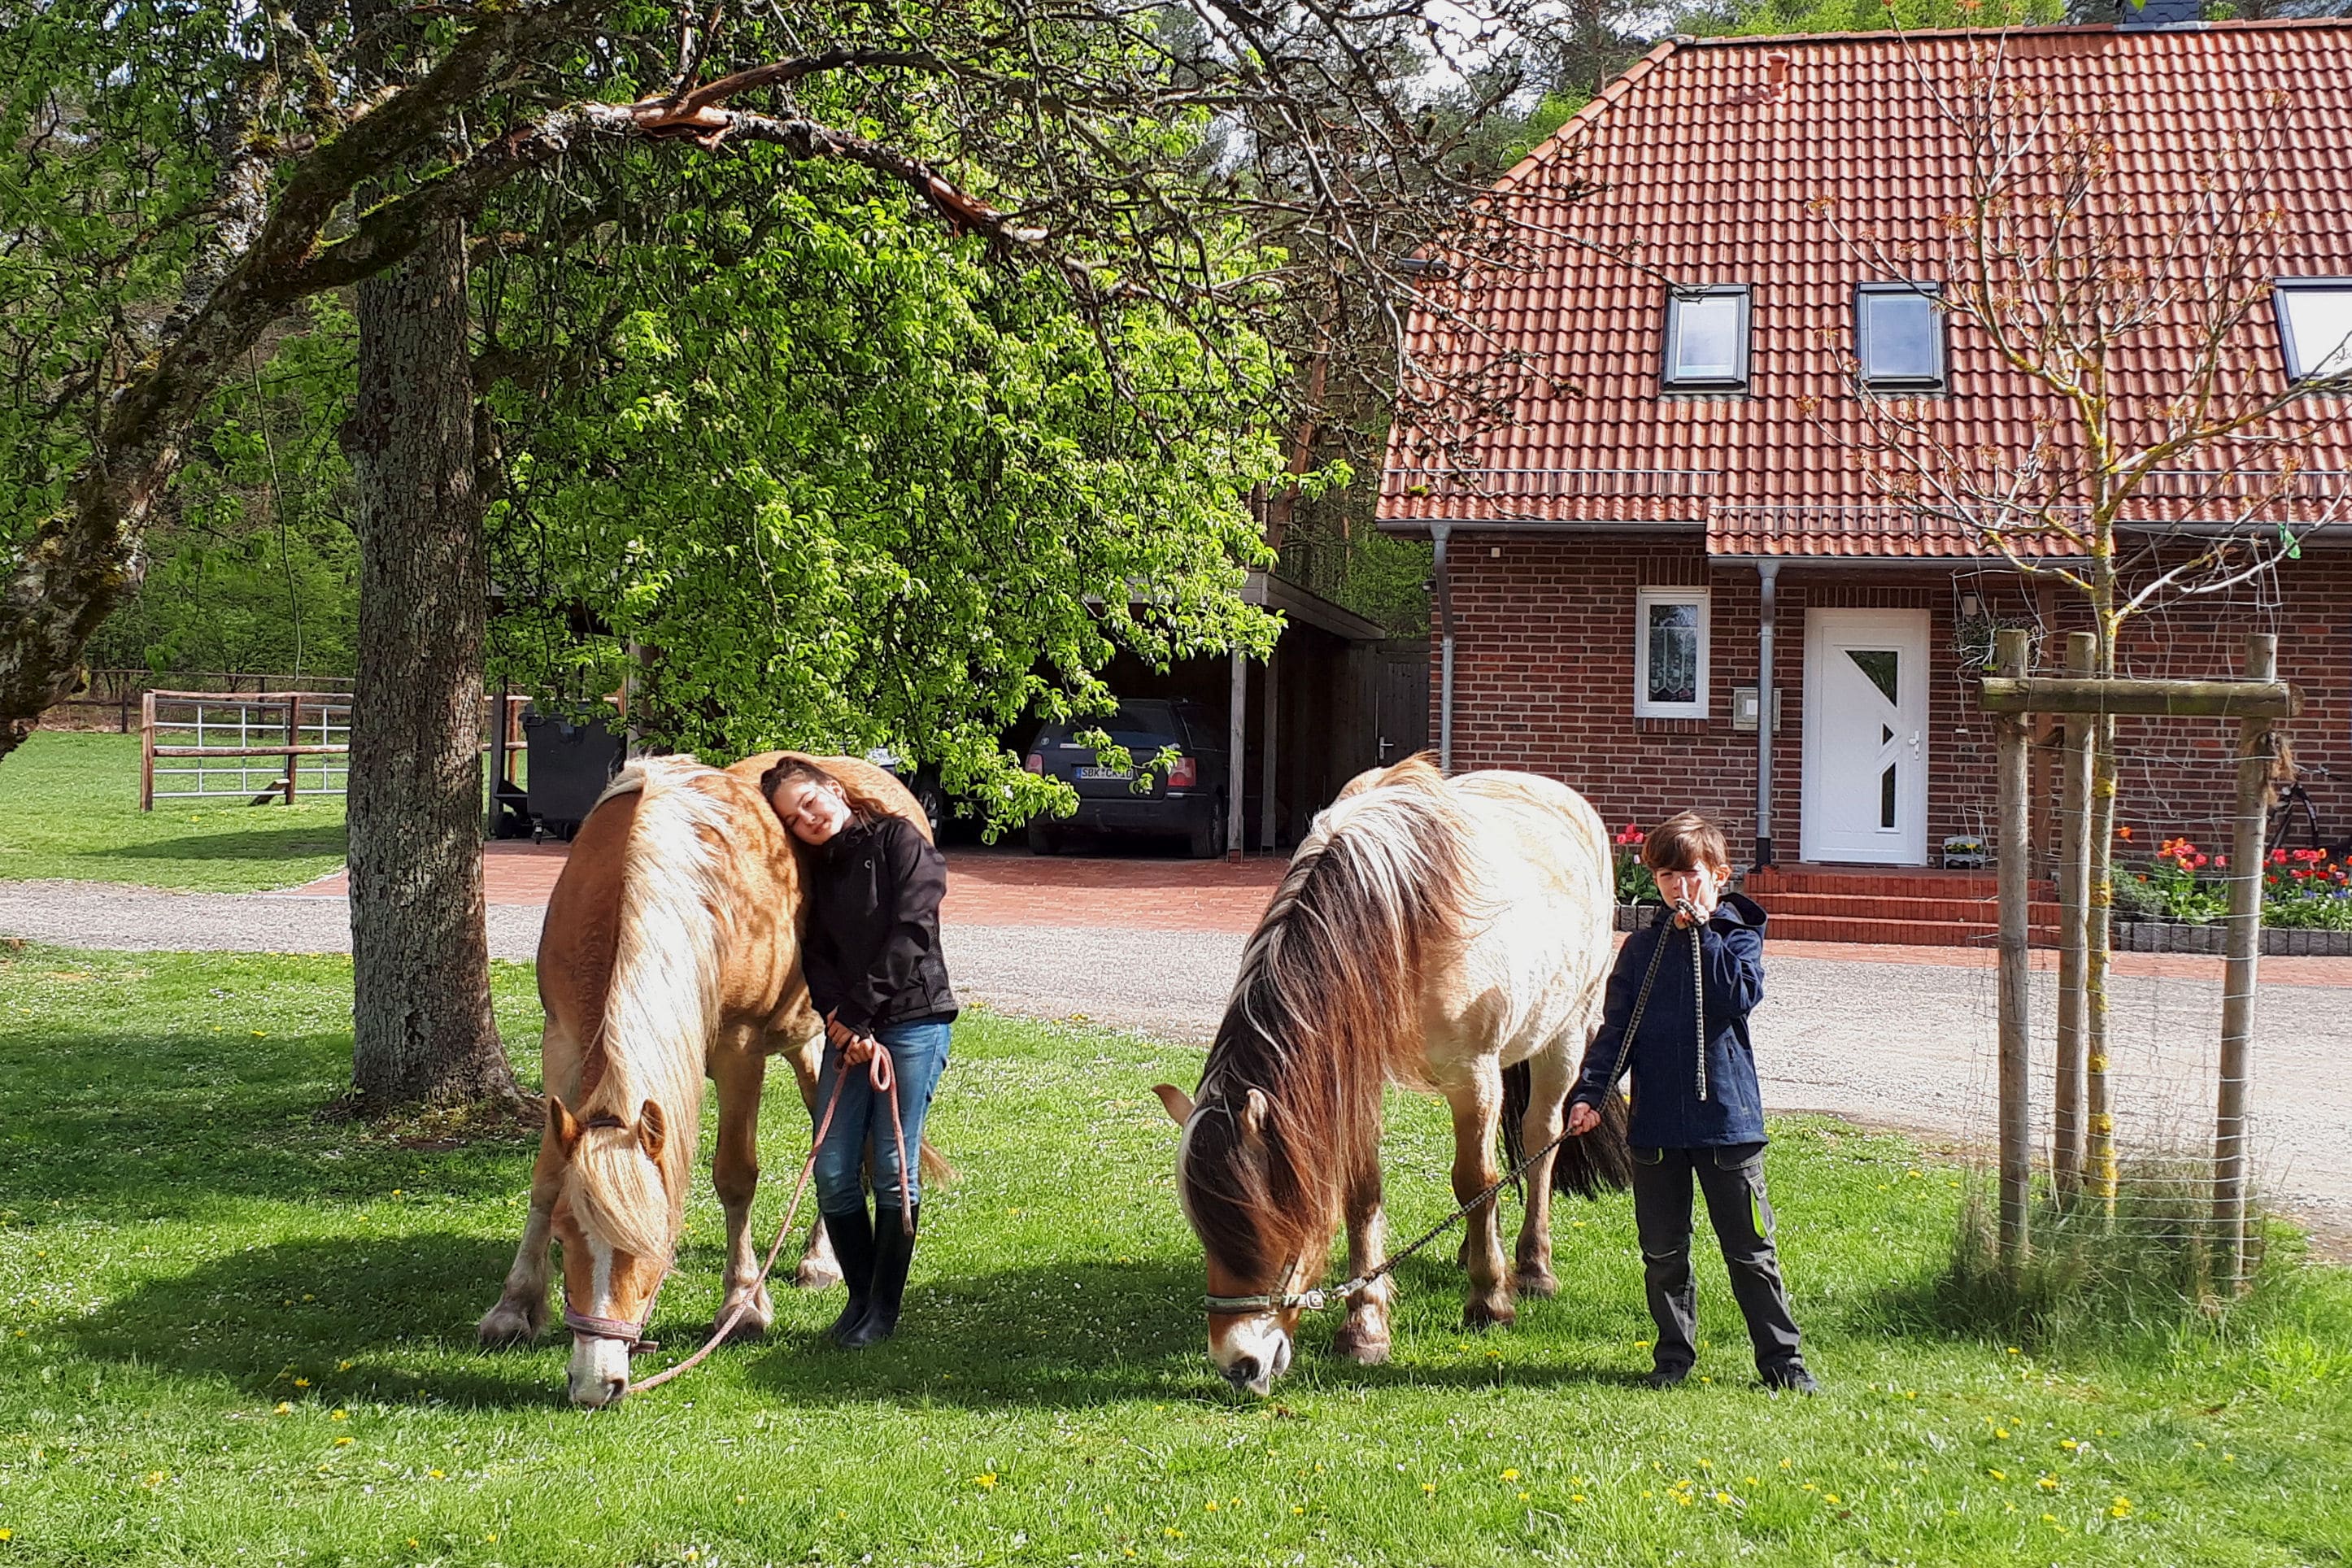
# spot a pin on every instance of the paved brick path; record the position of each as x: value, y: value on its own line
x: 1890, y: 1035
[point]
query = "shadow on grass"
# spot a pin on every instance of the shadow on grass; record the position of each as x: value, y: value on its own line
x: 167, y: 1124
x: 371, y: 1318
x: 297, y: 840
x: 392, y: 1317
x: 1063, y: 1333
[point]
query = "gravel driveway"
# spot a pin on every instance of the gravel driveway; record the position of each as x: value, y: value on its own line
x: 1901, y: 1045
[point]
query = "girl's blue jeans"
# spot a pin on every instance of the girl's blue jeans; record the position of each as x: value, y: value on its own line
x: 918, y: 1051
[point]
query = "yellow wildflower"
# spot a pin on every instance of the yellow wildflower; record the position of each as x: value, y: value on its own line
x: 1510, y: 1475
x: 985, y: 1481
x: 342, y: 1442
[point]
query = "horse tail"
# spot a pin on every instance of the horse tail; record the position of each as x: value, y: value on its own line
x: 937, y: 1172
x: 1600, y: 1161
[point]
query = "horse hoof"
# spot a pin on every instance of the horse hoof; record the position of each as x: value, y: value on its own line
x: 1363, y: 1347
x: 816, y: 1276
x: 753, y: 1324
x: 506, y: 1324
x: 1532, y: 1283
x: 1479, y: 1316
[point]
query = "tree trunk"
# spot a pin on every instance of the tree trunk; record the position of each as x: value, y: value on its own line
x: 422, y: 1024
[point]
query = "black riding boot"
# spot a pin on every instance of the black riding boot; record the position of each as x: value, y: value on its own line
x: 852, y: 1249
x: 894, y: 1252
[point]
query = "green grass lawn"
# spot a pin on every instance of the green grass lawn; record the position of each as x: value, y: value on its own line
x: 233, y: 1331
x: 73, y: 811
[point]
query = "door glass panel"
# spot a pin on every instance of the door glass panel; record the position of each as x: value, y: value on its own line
x: 1887, y: 797
x: 1674, y: 653
x: 1885, y: 736
x: 1881, y: 664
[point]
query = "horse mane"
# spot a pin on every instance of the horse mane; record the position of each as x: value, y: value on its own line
x: 662, y: 1001
x: 1325, y: 1014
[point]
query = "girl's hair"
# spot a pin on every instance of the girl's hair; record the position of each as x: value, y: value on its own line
x: 797, y: 765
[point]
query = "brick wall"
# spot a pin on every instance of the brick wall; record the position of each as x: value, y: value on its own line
x: 1544, y: 682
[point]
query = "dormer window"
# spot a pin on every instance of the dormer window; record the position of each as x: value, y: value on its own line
x: 1899, y: 336
x: 2314, y: 316
x: 1706, y: 339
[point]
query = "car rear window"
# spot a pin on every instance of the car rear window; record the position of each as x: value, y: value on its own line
x: 1139, y: 726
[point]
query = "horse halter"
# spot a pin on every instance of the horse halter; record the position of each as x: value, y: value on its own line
x: 587, y: 1325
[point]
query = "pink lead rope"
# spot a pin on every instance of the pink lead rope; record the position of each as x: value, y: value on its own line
x: 884, y: 1076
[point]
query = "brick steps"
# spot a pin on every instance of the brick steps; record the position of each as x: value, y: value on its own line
x: 1899, y: 933
x: 1985, y: 912
x: 1912, y: 906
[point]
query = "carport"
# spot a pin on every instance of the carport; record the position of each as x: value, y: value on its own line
x: 1339, y: 695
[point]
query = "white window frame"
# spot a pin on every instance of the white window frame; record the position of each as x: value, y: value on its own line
x: 1642, y: 599
x: 2300, y: 363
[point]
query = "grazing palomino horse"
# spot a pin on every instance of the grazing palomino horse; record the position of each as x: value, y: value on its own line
x: 671, y: 951
x: 1445, y: 933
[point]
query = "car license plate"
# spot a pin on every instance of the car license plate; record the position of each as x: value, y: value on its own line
x: 1105, y: 773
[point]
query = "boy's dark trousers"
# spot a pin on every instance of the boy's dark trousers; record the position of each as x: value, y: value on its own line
x: 1732, y: 1178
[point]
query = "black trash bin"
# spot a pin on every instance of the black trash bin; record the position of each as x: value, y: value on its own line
x: 571, y: 764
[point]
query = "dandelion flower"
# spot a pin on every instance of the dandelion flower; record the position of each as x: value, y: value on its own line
x: 1830, y: 1497
x: 1297, y: 1507
x: 281, y: 1409
x: 986, y: 1481
x: 1998, y: 1475
x: 1428, y: 1486
x: 342, y: 1442
x: 339, y: 1415
x: 1213, y: 1505
x: 1510, y: 1475
x: 433, y: 1474
x: 302, y: 1382
x: 2121, y: 1508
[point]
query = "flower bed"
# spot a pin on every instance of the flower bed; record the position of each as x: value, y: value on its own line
x: 2180, y: 903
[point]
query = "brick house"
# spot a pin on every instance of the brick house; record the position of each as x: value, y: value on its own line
x: 1668, y: 505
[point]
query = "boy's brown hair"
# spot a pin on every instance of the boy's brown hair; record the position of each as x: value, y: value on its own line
x: 1684, y: 842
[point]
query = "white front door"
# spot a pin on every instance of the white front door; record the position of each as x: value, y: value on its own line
x: 1865, y: 791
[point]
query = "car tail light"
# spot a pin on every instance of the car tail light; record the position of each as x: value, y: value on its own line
x: 1036, y: 764
x: 1184, y: 772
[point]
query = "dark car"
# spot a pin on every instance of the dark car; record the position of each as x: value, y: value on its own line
x: 1188, y: 799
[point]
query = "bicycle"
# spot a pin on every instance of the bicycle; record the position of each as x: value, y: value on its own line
x: 2278, y: 828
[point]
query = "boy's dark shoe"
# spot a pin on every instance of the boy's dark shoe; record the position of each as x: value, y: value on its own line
x: 1795, y: 1379
x: 1667, y: 1377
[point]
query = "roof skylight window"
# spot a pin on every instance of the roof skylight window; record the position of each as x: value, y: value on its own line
x: 2314, y: 318
x: 1898, y: 336
x: 1706, y: 339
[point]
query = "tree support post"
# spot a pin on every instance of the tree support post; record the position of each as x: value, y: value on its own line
x: 2016, y: 887
x: 2074, y: 929
x: 2238, y: 976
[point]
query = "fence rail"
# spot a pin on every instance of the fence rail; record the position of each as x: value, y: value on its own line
x: 197, y: 745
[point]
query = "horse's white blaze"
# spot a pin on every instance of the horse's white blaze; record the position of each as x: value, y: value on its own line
x: 1258, y: 1338
x: 598, y: 1363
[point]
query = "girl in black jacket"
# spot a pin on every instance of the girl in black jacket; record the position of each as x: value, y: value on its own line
x: 872, y: 959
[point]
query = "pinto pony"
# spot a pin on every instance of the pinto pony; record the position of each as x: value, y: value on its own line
x: 1447, y: 934
x: 670, y: 952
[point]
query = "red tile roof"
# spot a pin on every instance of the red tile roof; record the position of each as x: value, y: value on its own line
x: 1694, y: 170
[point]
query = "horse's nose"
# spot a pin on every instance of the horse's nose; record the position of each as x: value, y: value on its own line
x: 1248, y: 1373
x: 613, y: 1388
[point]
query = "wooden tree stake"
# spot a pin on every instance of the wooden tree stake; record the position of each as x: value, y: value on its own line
x: 2015, y: 880
x: 2238, y: 976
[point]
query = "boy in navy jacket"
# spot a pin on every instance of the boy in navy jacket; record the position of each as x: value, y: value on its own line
x: 1677, y: 1018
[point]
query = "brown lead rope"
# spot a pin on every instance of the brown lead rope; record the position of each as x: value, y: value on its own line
x: 1642, y: 1005
x: 885, y: 1079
